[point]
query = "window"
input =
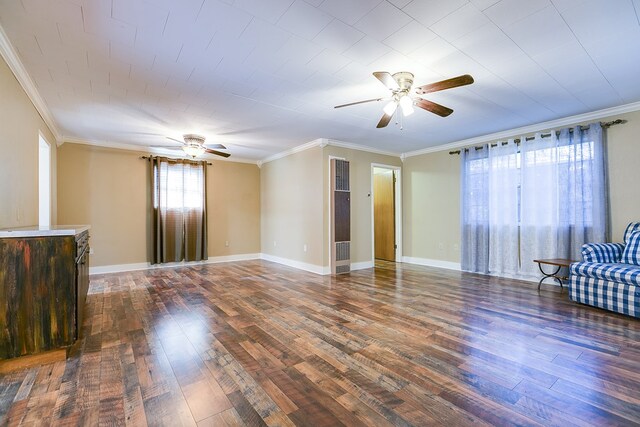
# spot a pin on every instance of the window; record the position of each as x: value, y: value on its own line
x: 179, y: 210
x: 181, y: 184
x: 541, y: 200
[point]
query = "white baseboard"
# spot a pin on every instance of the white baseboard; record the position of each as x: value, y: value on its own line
x: 362, y: 265
x: 118, y: 268
x: 232, y: 258
x: 312, y: 268
x: 432, y: 263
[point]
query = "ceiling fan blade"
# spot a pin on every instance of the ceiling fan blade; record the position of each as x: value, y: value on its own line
x: 176, y: 140
x: 358, y: 102
x: 463, y: 80
x: 438, y: 109
x: 384, y: 121
x: 217, y: 153
x: 215, y: 146
x: 166, y: 147
x: 387, y: 80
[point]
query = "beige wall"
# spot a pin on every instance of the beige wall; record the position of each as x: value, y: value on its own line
x: 292, y: 207
x: 361, y: 207
x: 109, y: 189
x: 432, y: 193
x: 233, y: 203
x: 624, y: 173
x: 106, y: 189
x: 431, y: 211
x: 20, y: 126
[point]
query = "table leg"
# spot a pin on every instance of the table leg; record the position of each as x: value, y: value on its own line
x: 546, y: 276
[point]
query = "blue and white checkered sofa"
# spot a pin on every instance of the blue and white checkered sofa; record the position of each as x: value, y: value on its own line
x: 602, y: 280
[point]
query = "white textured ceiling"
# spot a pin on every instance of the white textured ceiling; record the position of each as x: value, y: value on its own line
x: 262, y: 76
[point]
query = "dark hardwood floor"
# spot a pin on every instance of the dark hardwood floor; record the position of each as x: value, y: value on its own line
x: 255, y: 343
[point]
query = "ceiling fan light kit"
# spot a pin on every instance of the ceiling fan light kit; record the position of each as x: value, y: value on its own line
x: 400, y: 86
x: 193, y: 145
x: 193, y: 150
x: 406, y: 103
x: 390, y: 108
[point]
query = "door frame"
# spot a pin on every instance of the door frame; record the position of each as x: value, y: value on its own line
x: 45, y: 197
x: 398, y: 210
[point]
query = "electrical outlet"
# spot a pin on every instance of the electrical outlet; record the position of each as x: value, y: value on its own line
x: 226, y: 243
x: 274, y: 244
x: 90, y: 251
x: 304, y: 248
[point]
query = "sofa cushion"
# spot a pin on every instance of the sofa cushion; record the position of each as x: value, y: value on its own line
x: 602, y: 252
x: 631, y: 253
x: 621, y: 273
x: 632, y: 227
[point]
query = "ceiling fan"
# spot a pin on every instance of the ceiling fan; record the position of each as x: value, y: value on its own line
x: 400, y: 86
x: 194, y: 146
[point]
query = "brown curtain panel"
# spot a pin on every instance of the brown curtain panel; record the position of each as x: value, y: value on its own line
x: 179, y: 203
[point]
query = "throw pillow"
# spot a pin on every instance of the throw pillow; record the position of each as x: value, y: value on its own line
x: 631, y: 228
x: 631, y: 253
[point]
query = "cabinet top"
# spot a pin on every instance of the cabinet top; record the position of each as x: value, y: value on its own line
x: 37, y: 231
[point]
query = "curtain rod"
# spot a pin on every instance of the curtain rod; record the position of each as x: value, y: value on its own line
x: 149, y: 158
x: 545, y: 135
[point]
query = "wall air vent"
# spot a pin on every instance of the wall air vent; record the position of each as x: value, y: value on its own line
x: 340, y: 217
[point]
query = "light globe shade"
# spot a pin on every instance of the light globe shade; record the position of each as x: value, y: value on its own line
x: 390, y: 108
x: 406, y: 103
x: 193, y: 150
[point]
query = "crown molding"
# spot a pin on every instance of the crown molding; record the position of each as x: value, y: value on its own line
x: 15, y: 64
x: 315, y: 143
x: 323, y: 142
x: 145, y: 149
x: 529, y: 129
x: 351, y: 146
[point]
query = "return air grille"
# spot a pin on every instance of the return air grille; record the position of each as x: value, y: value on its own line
x: 342, y: 175
x: 343, y: 268
x: 343, y: 251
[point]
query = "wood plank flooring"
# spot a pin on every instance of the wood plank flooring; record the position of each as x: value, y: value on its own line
x: 255, y: 343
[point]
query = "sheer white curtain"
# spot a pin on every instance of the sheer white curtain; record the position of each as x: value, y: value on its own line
x: 504, y: 183
x: 475, y: 210
x: 563, y: 195
x: 544, y: 201
x: 540, y: 202
x: 582, y: 183
x: 490, y: 183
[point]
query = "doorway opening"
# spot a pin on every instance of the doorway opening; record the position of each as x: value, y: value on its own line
x: 44, y: 183
x: 386, y: 193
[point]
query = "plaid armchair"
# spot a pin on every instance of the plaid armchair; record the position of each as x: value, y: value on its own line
x: 609, y: 275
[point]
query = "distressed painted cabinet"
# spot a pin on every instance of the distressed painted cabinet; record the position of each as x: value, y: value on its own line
x: 43, y: 286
